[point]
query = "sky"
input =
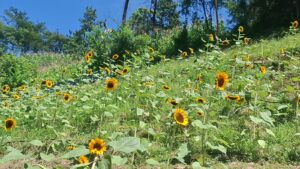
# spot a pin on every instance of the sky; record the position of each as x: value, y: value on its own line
x: 64, y: 15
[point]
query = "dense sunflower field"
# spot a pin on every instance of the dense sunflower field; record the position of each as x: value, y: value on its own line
x: 215, y: 107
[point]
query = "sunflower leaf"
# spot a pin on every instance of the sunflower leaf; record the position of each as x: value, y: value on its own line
x: 36, y: 143
x: 105, y: 162
x: 126, y: 144
x: 219, y: 147
x: 14, y: 154
x: 46, y: 157
x: 182, y: 152
x: 117, y: 160
x: 77, y: 152
x: 152, y: 162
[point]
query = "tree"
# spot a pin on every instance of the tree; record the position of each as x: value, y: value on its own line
x: 125, y: 11
x: 140, y: 21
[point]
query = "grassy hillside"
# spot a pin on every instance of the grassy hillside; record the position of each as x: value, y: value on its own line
x: 252, y: 118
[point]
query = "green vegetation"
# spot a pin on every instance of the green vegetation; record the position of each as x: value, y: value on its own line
x: 131, y: 104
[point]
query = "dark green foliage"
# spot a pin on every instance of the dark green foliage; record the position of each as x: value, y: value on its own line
x: 15, y: 71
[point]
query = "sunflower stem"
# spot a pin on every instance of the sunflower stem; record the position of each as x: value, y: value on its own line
x: 94, y: 162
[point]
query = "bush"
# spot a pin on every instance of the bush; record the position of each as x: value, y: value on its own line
x: 15, y: 71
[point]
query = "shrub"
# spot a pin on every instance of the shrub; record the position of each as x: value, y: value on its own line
x: 15, y: 71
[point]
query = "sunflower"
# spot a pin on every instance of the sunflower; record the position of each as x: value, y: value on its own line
x: 225, y: 42
x: 200, y: 113
x: 172, y: 101
x: 90, y: 71
x: 88, y: 57
x: 181, y: 117
x: 22, y: 88
x: 199, y: 78
x: 165, y: 87
x: 184, y: 54
x: 211, y: 37
x: 5, y: 89
x: 221, y: 80
x: 49, y: 84
x: 125, y: 70
x: 248, y: 65
x: 295, y: 24
x: 83, y: 160
x: 241, y: 29
x: 97, y: 146
x: 149, y: 84
x: 151, y: 50
x: 111, y: 84
x: 44, y: 82
x: 10, y: 123
x: 234, y: 98
x: 263, y: 69
x: 16, y: 96
x: 106, y: 69
x: 282, y: 51
x: 71, y: 147
x: 115, y: 56
x: 191, y: 50
x: 67, y: 97
x: 200, y: 100
x: 247, y: 41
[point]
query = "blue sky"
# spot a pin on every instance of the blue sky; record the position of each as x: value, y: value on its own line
x: 64, y: 15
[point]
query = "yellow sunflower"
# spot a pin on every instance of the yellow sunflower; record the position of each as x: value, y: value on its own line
x: 165, y: 87
x: 181, y: 117
x: 97, y: 146
x: 200, y: 100
x: 241, y: 29
x: 199, y: 78
x: 248, y: 65
x: 184, y: 54
x: 111, y: 84
x: 10, y: 123
x: 191, y: 50
x: 234, y: 98
x: 115, y: 56
x: 5, y: 89
x: 90, y: 71
x: 23, y: 88
x: 221, y: 80
x: 83, y: 160
x: 247, y: 41
x: 295, y: 24
x: 125, y: 70
x: 263, y: 69
x: 88, y: 57
x: 225, y: 42
x: 71, y: 147
x: 16, y: 96
x: 211, y: 37
x: 151, y: 50
x: 67, y: 97
x: 106, y: 69
x: 200, y: 113
x: 172, y: 101
x: 49, y: 83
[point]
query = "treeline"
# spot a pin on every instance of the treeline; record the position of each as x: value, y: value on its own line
x: 183, y: 18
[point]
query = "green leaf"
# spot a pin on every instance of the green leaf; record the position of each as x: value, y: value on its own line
x: 182, y: 152
x: 266, y: 116
x: 198, y: 123
x: 139, y: 111
x: 256, y: 120
x: 46, y: 157
x: 117, y: 160
x: 262, y: 143
x: 219, y: 147
x: 14, y: 154
x: 270, y: 132
x: 152, y: 162
x: 126, y: 144
x: 36, y: 143
x: 196, y: 165
x: 76, y: 153
x: 105, y: 162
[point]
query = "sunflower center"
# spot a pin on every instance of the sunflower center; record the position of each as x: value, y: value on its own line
x: 67, y: 97
x: 97, y: 146
x: 179, y: 117
x: 110, y: 85
x: 9, y: 124
x: 221, y: 82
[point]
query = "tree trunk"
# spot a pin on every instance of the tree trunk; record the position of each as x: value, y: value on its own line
x: 125, y: 11
x: 154, y: 6
x: 204, y: 11
x: 217, y: 17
